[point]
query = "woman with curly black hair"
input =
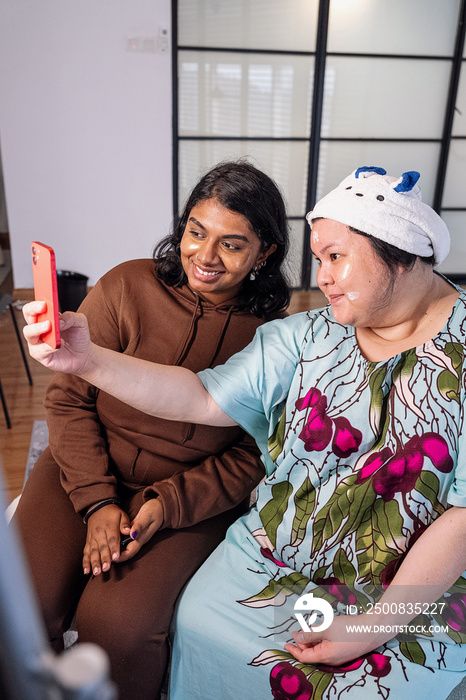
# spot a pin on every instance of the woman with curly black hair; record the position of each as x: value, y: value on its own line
x: 216, y: 278
x: 241, y: 188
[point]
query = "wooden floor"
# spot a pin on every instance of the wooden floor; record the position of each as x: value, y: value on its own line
x: 25, y: 403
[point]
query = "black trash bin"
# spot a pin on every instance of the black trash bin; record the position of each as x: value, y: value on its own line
x: 72, y: 288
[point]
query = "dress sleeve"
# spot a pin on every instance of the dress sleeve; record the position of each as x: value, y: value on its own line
x: 253, y: 384
x: 217, y: 484
x: 75, y: 431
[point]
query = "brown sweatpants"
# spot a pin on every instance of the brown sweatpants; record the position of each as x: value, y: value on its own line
x: 126, y: 611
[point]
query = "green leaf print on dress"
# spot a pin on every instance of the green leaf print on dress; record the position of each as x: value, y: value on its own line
x: 277, y: 591
x: 304, y: 500
x: 380, y: 542
x: 275, y: 442
x: 451, y: 360
x: 357, y: 495
x: 347, y: 505
x: 273, y: 511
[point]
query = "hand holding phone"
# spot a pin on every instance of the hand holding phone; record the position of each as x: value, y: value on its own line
x: 45, y: 289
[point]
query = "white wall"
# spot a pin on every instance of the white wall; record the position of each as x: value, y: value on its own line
x: 85, y: 128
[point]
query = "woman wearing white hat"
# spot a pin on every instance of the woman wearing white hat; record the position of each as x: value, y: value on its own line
x: 358, y: 409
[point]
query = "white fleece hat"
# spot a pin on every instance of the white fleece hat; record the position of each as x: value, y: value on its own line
x: 388, y: 208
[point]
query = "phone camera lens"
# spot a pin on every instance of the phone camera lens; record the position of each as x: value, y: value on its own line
x: 34, y: 260
x: 33, y: 250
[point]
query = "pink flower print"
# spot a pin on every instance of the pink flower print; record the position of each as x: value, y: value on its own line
x: 337, y: 589
x: 312, y: 398
x: 289, y: 683
x: 435, y: 447
x: 373, y: 463
x: 380, y: 665
x: 268, y: 555
x: 318, y: 429
x: 415, y: 535
x: 317, y: 432
x: 350, y: 666
x: 454, y: 613
x: 399, y: 474
x: 388, y: 572
x: 346, y: 439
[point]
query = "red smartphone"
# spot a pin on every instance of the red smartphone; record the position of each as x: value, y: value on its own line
x: 45, y: 289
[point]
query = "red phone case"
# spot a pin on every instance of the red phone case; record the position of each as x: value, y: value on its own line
x: 45, y: 289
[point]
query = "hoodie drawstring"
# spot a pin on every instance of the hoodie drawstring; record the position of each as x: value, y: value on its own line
x: 189, y: 334
x: 221, y: 336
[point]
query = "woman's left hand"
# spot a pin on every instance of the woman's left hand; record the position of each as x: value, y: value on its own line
x: 144, y: 526
x: 338, y: 644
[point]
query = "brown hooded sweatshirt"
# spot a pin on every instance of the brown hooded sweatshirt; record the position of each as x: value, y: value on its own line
x: 105, y: 449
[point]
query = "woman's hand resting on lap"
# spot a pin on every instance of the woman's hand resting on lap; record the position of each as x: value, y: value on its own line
x: 104, y: 528
x: 336, y: 646
x: 144, y: 526
x: 103, y: 538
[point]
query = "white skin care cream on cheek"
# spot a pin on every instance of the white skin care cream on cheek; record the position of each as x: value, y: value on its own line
x: 340, y: 265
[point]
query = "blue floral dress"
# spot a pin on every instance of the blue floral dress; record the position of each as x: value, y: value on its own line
x: 361, y: 458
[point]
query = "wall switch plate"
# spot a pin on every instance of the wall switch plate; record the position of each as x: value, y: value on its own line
x: 163, y: 39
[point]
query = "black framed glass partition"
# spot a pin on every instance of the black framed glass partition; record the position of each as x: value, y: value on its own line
x: 310, y: 90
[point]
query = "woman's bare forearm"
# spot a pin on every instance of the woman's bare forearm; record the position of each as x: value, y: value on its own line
x: 430, y: 568
x: 173, y: 393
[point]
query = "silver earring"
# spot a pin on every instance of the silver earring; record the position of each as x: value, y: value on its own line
x: 255, y: 270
